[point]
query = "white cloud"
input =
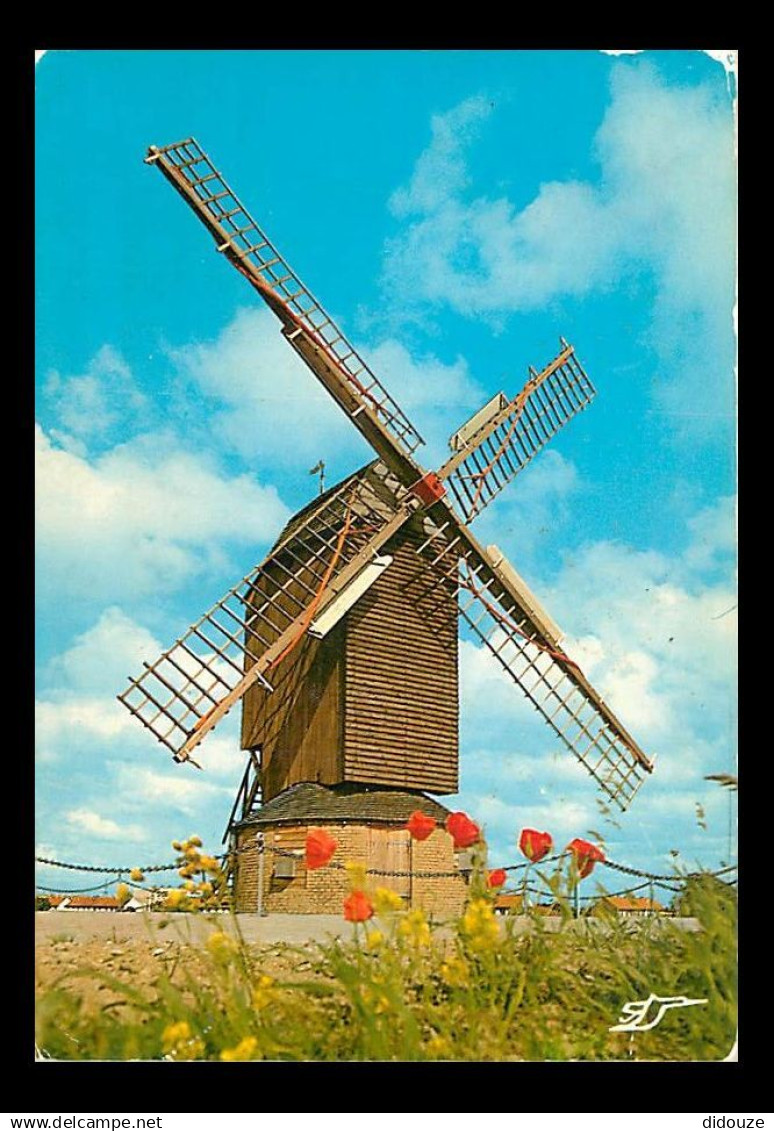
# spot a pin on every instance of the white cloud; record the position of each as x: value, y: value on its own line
x: 93, y: 757
x: 143, y: 517
x: 98, y: 718
x: 441, y: 171
x: 664, y: 203
x: 632, y: 690
x: 185, y: 791
x: 45, y: 848
x: 540, y: 506
x: 270, y: 405
x: 79, y: 710
x: 103, y: 828
x: 643, y: 603
x: 221, y: 754
x: 646, y: 632
x: 437, y: 397
x: 564, y: 819
x: 713, y: 534
x: 666, y: 192
x: 91, y: 404
x: 100, y: 658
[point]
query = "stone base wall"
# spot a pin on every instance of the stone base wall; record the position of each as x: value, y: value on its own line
x: 323, y: 890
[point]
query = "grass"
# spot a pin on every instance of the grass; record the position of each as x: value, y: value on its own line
x: 405, y: 991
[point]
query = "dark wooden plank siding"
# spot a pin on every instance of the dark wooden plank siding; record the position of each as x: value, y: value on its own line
x: 401, y: 715
x: 299, y: 726
x: 376, y: 701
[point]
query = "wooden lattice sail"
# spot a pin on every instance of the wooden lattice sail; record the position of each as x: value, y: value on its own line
x: 334, y: 551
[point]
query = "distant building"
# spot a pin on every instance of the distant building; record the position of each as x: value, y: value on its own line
x: 142, y: 899
x: 508, y: 902
x: 512, y: 903
x: 631, y: 907
x: 90, y: 903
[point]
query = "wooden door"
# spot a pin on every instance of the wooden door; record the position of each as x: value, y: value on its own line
x: 390, y: 850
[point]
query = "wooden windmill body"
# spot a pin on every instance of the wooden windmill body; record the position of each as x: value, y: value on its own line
x: 374, y: 701
x: 342, y: 643
x: 369, y: 715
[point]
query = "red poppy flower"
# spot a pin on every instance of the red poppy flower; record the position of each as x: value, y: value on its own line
x: 420, y: 825
x: 463, y: 831
x: 358, y: 907
x: 496, y: 878
x: 535, y: 845
x: 319, y: 848
x: 586, y: 856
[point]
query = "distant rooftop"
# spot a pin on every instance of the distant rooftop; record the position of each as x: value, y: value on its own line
x: 93, y: 902
x: 632, y: 903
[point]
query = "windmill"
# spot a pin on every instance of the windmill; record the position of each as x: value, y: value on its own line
x: 342, y: 643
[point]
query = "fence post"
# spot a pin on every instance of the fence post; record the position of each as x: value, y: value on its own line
x: 260, y: 843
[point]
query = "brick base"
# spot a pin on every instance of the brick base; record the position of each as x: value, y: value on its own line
x: 323, y: 890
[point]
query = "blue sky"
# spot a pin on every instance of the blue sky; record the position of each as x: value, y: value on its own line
x: 456, y: 212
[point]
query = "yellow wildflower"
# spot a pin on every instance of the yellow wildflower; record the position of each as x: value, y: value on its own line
x: 175, y: 1034
x: 174, y: 898
x: 177, y: 846
x: 192, y: 853
x: 206, y: 888
x: 455, y: 972
x: 374, y: 940
x: 245, y: 1050
x: 193, y: 1050
x: 262, y: 992
x: 386, y: 900
x: 479, y: 925
x: 438, y: 1047
x: 189, y: 885
x: 123, y: 893
x: 178, y: 1041
x: 358, y: 879
x: 196, y: 841
x: 208, y: 864
x: 221, y: 946
x: 137, y: 875
x: 415, y: 929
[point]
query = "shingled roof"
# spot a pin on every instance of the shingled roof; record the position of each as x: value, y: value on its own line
x: 94, y: 903
x: 308, y: 802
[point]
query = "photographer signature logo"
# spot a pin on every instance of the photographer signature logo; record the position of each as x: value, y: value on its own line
x: 634, y: 1014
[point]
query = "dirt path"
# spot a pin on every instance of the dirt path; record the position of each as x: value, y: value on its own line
x: 185, y: 928
x: 97, y: 954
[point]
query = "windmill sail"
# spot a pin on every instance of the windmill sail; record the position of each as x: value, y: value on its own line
x: 193, y: 684
x: 312, y: 332
x: 505, y: 621
x: 329, y: 553
x: 495, y: 453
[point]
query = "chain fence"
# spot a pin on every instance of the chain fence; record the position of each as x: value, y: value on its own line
x: 663, y: 880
